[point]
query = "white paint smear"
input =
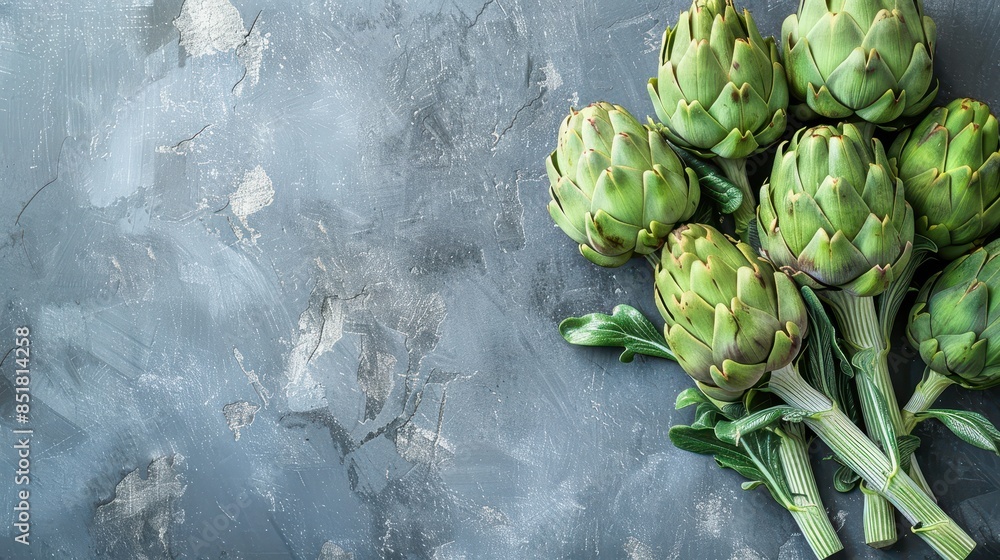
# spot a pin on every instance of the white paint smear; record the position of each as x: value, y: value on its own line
x: 320, y: 327
x: 638, y: 550
x: 253, y: 378
x: 420, y: 445
x: 251, y: 55
x: 552, y: 78
x: 144, y: 511
x: 744, y: 552
x: 210, y: 26
x: 239, y: 415
x: 331, y: 551
x: 711, y: 516
x: 254, y: 193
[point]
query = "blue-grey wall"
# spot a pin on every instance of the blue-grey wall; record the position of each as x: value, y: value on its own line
x: 293, y: 291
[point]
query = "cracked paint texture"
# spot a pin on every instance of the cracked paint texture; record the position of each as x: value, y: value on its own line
x: 293, y: 290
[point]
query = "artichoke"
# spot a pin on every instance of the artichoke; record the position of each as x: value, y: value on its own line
x: 720, y: 89
x: 955, y: 322
x: 870, y: 58
x: 617, y: 188
x: 730, y: 317
x: 833, y: 214
x: 951, y: 168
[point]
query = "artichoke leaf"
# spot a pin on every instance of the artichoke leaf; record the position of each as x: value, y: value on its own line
x: 908, y: 445
x: 825, y: 366
x: 845, y: 480
x: 971, y: 427
x: 706, y: 416
x: 689, y: 397
x: 756, y: 458
x: 734, y: 431
x: 625, y: 328
x: 715, y: 186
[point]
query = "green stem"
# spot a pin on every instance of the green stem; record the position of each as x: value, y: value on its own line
x: 927, y: 391
x: 877, y: 518
x: 809, y: 513
x: 736, y: 171
x: 891, y: 299
x: 860, y: 328
x: 879, y: 521
x: 653, y: 259
x: 889, y: 303
x: 860, y: 454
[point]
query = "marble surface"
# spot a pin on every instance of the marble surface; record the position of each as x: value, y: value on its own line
x: 293, y: 292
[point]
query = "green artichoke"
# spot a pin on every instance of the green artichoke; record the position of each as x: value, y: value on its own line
x: 870, y: 58
x: 720, y: 89
x: 951, y: 168
x: 730, y: 317
x: 617, y: 188
x: 833, y: 214
x: 955, y: 322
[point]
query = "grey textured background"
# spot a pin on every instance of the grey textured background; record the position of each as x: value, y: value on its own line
x: 328, y: 236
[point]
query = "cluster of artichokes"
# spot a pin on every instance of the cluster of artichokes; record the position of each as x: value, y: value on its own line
x: 840, y: 218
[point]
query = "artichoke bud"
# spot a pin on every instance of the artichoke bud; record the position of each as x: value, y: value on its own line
x: 955, y: 321
x: 720, y: 89
x: 833, y: 214
x: 617, y: 188
x: 873, y: 58
x: 730, y: 317
x: 951, y: 168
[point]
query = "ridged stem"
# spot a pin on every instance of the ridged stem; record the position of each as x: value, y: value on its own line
x: 860, y: 328
x: 891, y: 299
x: 927, y: 391
x: 918, y: 476
x: 809, y: 513
x: 736, y: 171
x: 889, y: 303
x: 861, y: 455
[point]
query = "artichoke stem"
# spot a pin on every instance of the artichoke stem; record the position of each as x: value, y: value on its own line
x: 924, y: 396
x: 861, y: 329
x: 810, y: 514
x: 890, y: 300
x: 736, y: 171
x: 918, y: 476
x: 653, y: 259
x: 879, y: 521
x: 889, y: 304
x: 861, y: 455
x: 927, y: 391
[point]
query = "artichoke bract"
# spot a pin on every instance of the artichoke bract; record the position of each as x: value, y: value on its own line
x: 617, y: 188
x: 955, y: 322
x: 833, y: 214
x: 870, y: 58
x: 730, y: 317
x: 720, y: 89
x: 951, y: 168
